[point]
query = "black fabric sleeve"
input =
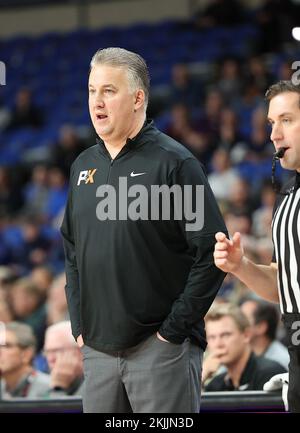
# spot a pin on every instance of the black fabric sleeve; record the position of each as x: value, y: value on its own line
x: 72, y: 278
x: 204, y: 279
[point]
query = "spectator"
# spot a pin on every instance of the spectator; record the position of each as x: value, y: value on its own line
x: 28, y: 306
x: 228, y: 337
x: 36, y: 192
x: 285, y: 70
x: 64, y: 359
x: 58, y: 192
x: 184, y: 89
x: 19, y: 379
x: 66, y: 150
x: 240, y: 199
x: 57, y: 308
x: 209, y: 121
x: 263, y: 317
x: 33, y: 245
x: 182, y: 130
x: 259, y: 145
x: 229, y: 82
x: 25, y: 113
x: 42, y: 278
x: 227, y: 136
x: 4, y: 116
x: 223, y: 176
x: 257, y: 71
x: 10, y: 197
x: 5, y: 310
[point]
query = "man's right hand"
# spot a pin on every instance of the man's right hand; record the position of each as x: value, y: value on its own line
x: 228, y: 254
x: 80, y: 341
x: 210, y: 366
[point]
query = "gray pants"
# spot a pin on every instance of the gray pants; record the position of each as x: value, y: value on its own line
x: 152, y: 377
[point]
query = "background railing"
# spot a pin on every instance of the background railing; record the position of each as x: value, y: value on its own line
x: 239, y: 401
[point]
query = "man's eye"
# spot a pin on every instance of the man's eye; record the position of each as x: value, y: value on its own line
x: 91, y: 90
x: 286, y: 120
x: 226, y: 335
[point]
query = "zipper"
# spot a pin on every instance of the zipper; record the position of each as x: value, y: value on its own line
x: 109, y: 170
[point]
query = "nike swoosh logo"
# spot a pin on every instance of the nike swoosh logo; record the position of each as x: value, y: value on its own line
x: 132, y: 174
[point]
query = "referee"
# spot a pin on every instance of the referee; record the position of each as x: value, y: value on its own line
x: 280, y: 281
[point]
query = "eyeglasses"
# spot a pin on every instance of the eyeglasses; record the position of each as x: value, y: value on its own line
x: 9, y: 345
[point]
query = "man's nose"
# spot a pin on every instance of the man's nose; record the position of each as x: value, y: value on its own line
x: 99, y: 101
x: 219, y: 342
x: 276, y: 133
x: 51, y: 358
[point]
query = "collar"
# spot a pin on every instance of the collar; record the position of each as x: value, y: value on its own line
x: 297, y: 180
x: 22, y: 387
x: 131, y: 143
x: 245, y: 377
x: 291, y: 185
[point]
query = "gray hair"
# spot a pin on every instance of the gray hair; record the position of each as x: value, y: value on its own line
x: 63, y: 328
x: 133, y: 63
x: 23, y: 333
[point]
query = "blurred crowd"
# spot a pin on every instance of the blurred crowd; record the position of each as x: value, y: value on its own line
x: 216, y: 110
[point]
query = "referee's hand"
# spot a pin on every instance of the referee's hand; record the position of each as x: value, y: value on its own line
x: 228, y: 254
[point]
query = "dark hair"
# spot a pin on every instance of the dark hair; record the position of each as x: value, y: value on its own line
x: 282, y: 86
x: 266, y: 312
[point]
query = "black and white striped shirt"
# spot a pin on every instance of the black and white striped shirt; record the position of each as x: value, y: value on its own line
x: 286, y: 240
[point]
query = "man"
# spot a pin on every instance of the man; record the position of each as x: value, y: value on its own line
x: 278, y: 282
x: 19, y: 379
x: 263, y: 318
x: 140, y: 277
x: 64, y: 360
x: 228, y: 337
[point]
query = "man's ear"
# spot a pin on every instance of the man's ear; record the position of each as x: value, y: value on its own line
x: 248, y: 334
x: 139, y: 99
x: 261, y: 327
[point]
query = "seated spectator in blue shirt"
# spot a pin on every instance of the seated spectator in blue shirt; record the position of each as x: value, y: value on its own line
x: 58, y: 191
x: 36, y: 193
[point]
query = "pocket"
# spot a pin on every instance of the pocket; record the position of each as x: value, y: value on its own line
x: 81, y: 348
x: 168, y: 343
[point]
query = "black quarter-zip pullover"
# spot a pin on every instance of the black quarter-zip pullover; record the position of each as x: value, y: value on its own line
x: 126, y: 278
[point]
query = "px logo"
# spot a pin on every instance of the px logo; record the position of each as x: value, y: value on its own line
x: 87, y: 176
